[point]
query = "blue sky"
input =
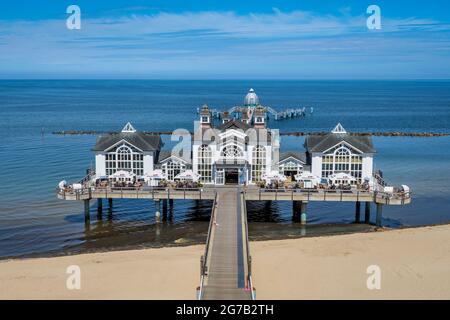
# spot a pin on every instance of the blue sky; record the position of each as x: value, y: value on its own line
x: 226, y: 39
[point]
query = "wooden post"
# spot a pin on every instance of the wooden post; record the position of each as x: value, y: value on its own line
x: 87, y: 212
x: 367, y: 213
x: 358, y: 212
x: 110, y: 204
x: 379, y: 214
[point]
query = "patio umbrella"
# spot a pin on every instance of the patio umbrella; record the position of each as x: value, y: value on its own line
x: 188, y: 175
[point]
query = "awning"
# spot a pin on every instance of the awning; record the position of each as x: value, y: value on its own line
x: 230, y: 163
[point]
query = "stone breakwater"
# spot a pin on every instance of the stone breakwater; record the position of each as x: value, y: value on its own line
x: 296, y: 133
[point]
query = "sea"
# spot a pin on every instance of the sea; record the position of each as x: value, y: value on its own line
x: 33, y: 222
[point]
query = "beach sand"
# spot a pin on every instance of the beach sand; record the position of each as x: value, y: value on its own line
x: 414, y: 264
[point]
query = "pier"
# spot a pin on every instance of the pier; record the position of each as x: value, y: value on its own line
x: 225, y: 271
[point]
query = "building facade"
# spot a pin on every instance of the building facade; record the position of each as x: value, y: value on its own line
x: 237, y: 149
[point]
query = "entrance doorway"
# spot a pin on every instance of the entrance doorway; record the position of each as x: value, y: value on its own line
x: 232, y: 176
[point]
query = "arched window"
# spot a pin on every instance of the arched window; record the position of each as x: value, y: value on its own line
x: 342, y: 160
x: 204, y: 168
x: 258, y: 163
x: 172, y: 168
x: 231, y: 151
x: 124, y: 158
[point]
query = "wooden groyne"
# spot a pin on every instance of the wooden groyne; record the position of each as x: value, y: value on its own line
x: 295, y: 133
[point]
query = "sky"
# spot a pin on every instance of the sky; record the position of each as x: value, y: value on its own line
x: 225, y: 39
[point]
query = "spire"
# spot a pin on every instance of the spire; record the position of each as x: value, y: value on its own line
x: 128, y: 128
x: 339, y: 129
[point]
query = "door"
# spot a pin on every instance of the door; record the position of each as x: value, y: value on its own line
x: 231, y: 176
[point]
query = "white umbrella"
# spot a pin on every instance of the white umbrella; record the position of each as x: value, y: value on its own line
x: 306, y: 176
x: 342, y: 176
x: 188, y: 175
x: 273, y: 176
x: 309, y: 180
x: 122, y: 174
x: 62, y: 184
x: 156, y: 174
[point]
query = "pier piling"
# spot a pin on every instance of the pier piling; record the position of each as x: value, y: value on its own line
x: 110, y: 204
x: 87, y: 212
x: 379, y: 214
x: 358, y: 212
x: 367, y: 213
x: 296, y: 210
x: 303, y: 212
x: 99, y: 205
x: 99, y: 208
x: 157, y: 212
x: 164, y: 206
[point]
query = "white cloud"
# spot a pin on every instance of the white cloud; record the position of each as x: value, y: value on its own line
x: 299, y: 43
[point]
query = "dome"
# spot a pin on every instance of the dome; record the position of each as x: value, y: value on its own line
x: 251, y: 99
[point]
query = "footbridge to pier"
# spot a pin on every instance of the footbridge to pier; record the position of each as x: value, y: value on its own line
x: 226, y: 264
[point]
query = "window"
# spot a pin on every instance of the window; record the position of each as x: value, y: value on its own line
x: 172, y: 168
x: 289, y: 167
x: 232, y: 151
x: 125, y: 158
x: 259, y: 120
x: 204, y: 168
x: 205, y: 119
x: 258, y: 163
x: 342, y: 160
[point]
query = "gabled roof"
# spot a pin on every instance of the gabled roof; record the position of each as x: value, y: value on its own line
x: 166, y: 154
x: 301, y: 156
x: 129, y: 128
x: 137, y: 139
x: 235, y: 124
x: 321, y: 143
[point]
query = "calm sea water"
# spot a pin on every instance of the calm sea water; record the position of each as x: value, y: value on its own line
x: 33, y: 222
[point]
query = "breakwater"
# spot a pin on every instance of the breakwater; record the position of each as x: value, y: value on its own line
x: 295, y: 134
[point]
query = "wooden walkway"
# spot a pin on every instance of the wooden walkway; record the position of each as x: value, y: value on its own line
x: 227, y: 264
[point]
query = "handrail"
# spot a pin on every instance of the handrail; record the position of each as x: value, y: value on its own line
x: 247, y: 245
x: 204, y: 258
x: 340, y: 192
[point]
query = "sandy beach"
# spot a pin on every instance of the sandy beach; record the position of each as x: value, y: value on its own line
x: 414, y: 264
